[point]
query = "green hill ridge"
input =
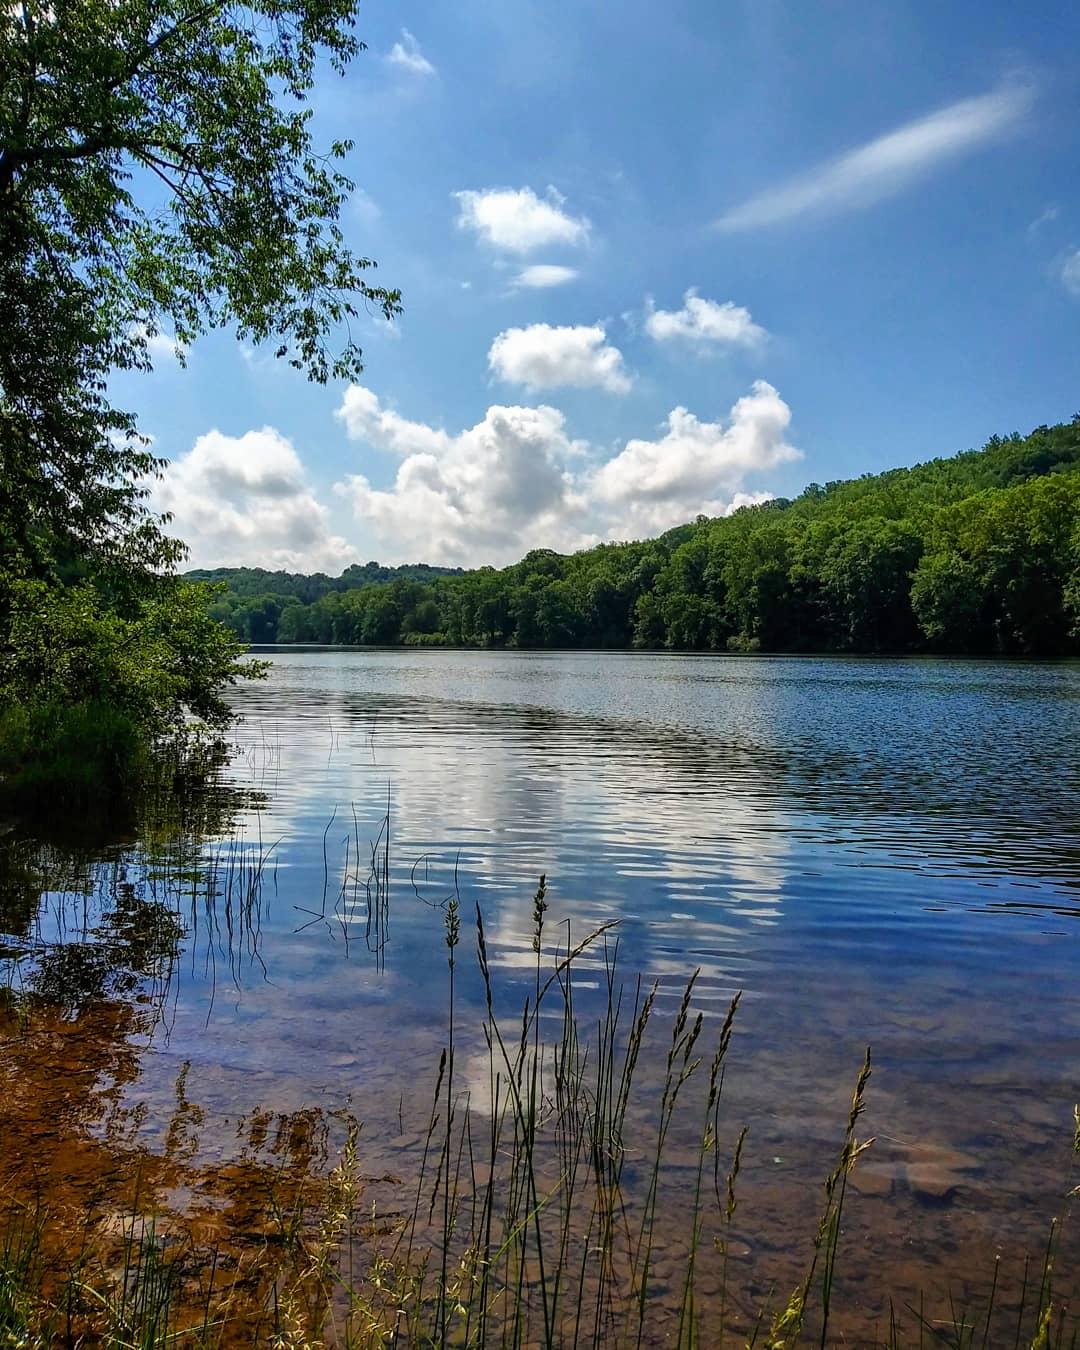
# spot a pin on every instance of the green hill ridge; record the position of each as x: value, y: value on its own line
x: 978, y: 553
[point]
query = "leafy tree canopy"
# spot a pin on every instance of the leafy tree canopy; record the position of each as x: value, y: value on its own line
x: 251, y: 581
x: 158, y: 175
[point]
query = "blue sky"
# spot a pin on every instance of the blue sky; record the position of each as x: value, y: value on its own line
x: 654, y: 261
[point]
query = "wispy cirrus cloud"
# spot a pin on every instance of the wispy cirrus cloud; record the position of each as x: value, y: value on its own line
x: 542, y: 276
x: 1070, y: 273
x: 407, y: 55
x: 1044, y: 218
x: 886, y: 165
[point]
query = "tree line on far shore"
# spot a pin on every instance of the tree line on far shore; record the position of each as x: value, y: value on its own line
x: 978, y: 554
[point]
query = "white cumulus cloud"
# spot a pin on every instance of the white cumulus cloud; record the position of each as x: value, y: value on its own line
x: 516, y: 220
x: 408, y: 56
x: 366, y: 419
x: 487, y: 494
x: 694, y: 466
x: 542, y: 276
x: 887, y: 164
x: 245, y: 500
x: 516, y: 480
x: 160, y: 346
x: 545, y: 357
x: 705, y: 322
x: 1070, y: 273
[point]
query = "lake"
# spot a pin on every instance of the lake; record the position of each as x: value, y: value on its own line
x: 875, y: 852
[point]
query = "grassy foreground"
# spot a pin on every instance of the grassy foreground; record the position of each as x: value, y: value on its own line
x: 538, y: 1213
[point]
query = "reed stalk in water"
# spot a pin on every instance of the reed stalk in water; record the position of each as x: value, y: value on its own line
x: 527, y: 1226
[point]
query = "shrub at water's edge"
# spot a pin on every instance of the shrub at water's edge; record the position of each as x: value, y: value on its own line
x: 91, y: 690
x: 67, y: 753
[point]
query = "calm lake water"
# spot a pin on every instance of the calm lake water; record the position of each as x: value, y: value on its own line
x: 874, y: 852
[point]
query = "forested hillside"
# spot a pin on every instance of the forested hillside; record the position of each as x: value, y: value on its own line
x: 254, y: 597
x: 976, y: 553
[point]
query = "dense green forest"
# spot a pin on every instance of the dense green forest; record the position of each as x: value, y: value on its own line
x: 254, y: 597
x: 976, y: 553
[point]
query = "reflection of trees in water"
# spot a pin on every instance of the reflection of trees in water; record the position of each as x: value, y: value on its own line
x: 134, y: 945
x: 76, y: 1152
x: 86, y: 917
x: 20, y: 889
x: 92, y: 924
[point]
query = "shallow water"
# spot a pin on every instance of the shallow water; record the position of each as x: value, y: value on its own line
x: 882, y: 852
